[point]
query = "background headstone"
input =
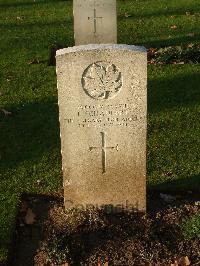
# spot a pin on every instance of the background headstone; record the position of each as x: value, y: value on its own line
x: 95, y: 21
x: 103, y: 106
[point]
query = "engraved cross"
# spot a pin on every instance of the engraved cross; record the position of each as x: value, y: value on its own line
x: 95, y: 18
x: 104, y: 151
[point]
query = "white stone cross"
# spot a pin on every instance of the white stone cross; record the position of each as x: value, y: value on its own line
x: 104, y: 149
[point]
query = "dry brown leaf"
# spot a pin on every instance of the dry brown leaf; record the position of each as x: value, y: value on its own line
x: 152, y: 51
x: 65, y: 264
x: 173, y: 27
x: 6, y: 112
x: 30, y: 217
x: 34, y: 61
x: 184, y: 261
x: 100, y: 263
x: 39, y: 182
x: 175, y: 263
x: 127, y: 15
x: 191, y: 34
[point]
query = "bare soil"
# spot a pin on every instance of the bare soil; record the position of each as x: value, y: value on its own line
x: 88, y: 237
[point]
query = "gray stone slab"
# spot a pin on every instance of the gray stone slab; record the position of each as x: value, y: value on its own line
x: 95, y: 21
x: 102, y: 108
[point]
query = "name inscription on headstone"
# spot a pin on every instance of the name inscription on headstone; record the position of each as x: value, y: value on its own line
x: 100, y: 115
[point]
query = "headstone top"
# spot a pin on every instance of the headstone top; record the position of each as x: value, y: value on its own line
x: 90, y: 47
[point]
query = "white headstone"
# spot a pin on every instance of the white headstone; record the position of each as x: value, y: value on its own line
x: 95, y: 21
x: 103, y: 105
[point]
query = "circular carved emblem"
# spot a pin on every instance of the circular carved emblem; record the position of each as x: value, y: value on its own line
x: 101, y: 80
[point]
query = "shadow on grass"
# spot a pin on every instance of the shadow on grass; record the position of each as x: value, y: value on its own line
x: 37, y: 25
x: 62, y: 32
x: 162, y: 12
x: 184, y: 190
x: 131, y: 37
x: 179, y: 90
x: 192, y: 183
x: 33, y: 128
x: 171, y: 41
x: 125, y: 37
x: 22, y: 4
x: 31, y: 131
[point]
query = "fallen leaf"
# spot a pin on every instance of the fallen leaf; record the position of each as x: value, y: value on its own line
x: 191, y: 34
x: 38, y: 182
x: 152, y: 51
x: 184, y: 261
x: 173, y: 27
x: 6, y: 112
x: 30, y: 217
x: 127, y: 15
x: 175, y: 263
x: 168, y: 173
x: 34, y: 61
x: 167, y: 198
x: 102, y: 263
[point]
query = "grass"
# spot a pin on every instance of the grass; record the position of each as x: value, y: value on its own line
x: 150, y: 22
x: 30, y: 160
x: 191, y: 227
x: 174, y: 127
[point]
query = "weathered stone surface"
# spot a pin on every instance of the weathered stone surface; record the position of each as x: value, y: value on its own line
x: 95, y: 21
x: 103, y: 105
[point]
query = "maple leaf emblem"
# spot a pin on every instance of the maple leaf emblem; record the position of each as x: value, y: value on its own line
x: 102, y: 80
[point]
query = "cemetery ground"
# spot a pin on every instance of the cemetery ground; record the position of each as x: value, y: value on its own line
x: 30, y: 160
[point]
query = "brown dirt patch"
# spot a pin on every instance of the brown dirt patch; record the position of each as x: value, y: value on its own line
x: 84, y: 238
